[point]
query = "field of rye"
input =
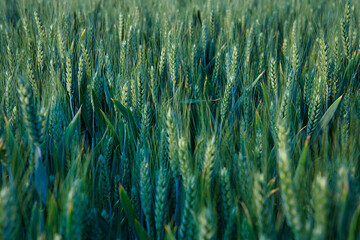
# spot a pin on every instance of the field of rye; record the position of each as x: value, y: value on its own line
x: 179, y: 119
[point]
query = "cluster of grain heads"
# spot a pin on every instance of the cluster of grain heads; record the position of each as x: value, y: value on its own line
x: 315, y: 107
x: 69, y: 77
x: 263, y: 207
x: 187, y: 229
x: 273, y: 78
x: 145, y: 125
x: 283, y: 112
x: 11, y: 97
x: 172, y: 144
x: 208, y: 168
x: 207, y: 120
x: 30, y: 112
x: 172, y: 65
x: 184, y: 160
x: 31, y: 74
x: 345, y: 24
x: 289, y: 197
x: 228, y: 88
x: 207, y: 228
x: 161, y: 196
x: 227, y: 204
x: 321, y: 207
x: 146, y: 191
x: 40, y: 26
x: 57, y: 122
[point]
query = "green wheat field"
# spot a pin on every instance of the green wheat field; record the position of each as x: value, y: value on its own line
x: 180, y: 119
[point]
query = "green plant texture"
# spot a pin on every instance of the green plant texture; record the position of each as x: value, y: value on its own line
x: 180, y: 119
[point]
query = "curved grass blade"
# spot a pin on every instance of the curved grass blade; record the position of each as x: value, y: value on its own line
x: 130, y: 213
x: 128, y: 116
x: 111, y: 127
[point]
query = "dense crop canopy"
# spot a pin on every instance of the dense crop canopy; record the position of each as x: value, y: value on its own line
x: 180, y: 119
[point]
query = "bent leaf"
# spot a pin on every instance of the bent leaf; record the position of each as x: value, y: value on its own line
x: 130, y: 214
